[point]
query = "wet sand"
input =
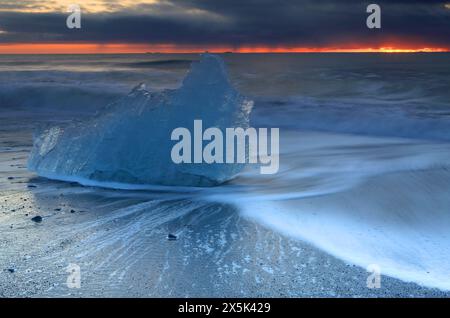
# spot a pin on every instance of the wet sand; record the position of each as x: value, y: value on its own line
x: 119, y: 240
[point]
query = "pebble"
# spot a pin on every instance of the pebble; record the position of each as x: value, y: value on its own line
x: 37, y: 219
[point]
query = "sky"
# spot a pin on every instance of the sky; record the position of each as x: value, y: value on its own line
x: 127, y: 26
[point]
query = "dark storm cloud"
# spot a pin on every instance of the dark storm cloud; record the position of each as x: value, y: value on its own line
x: 241, y: 22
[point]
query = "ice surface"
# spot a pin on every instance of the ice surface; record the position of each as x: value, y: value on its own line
x: 129, y: 141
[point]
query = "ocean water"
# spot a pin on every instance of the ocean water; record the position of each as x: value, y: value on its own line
x: 364, y: 157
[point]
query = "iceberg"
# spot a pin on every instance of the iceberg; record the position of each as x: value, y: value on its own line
x: 129, y: 141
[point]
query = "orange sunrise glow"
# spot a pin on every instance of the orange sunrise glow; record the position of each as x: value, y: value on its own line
x: 122, y: 48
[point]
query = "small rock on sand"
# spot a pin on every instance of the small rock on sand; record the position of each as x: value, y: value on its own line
x: 37, y: 219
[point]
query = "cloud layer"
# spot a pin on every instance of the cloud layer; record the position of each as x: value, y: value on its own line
x: 230, y: 23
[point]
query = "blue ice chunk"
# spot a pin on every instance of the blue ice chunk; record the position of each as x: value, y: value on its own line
x: 129, y: 142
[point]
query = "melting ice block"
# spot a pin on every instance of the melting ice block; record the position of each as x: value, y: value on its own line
x: 129, y: 142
